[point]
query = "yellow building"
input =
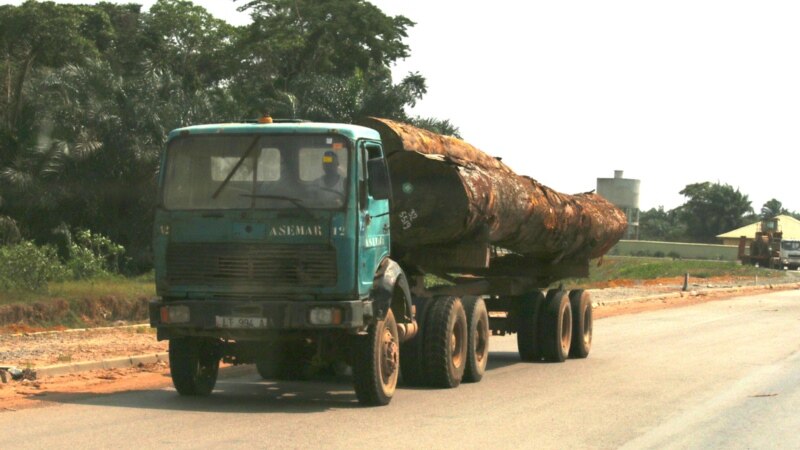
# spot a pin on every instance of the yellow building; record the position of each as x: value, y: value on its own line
x: 787, y: 224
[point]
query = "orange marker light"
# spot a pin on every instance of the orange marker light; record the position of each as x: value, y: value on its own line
x: 164, y: 314
x: 265, y: 119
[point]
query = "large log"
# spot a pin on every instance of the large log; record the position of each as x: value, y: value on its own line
x: 446, y: 191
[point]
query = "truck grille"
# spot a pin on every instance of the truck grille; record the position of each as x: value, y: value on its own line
x: 251, y: 265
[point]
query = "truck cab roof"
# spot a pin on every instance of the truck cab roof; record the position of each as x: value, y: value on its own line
x: 348, y: 130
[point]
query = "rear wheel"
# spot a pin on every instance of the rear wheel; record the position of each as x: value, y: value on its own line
x: 581, y: 304
x: 527, y: 315
x: 556, y: 326
x: 446, y: 342
x: 194, y: 365
x: 377, y: 363
x: 477, y: 338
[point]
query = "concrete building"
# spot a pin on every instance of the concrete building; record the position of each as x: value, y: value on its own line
x: 624, y: 193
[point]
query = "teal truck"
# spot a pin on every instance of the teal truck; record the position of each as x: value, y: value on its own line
x: 294, y: 245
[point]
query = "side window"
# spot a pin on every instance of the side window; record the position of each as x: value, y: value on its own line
x: 377, y: 173
x: 313, y: 158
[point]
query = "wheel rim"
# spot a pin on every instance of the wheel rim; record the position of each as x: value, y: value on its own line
x: 457, y: 344
x: 389, y: 358
x: 587, y: 326
x: 566, y: 330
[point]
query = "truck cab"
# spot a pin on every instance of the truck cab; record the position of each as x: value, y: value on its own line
x: 272, y: 240
x: 790, y: 254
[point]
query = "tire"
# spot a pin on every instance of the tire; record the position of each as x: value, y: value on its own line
x: 581, y: 304
x: 376, y: 365
x: 270, y: 365
x: 556, y: 326
x: 412, y: 360
x: 286, y: 361
x: 445, y: 343
x: 528, y: 313
x: 268, y: 368
x: 477, y: 338
x: 193, y: 365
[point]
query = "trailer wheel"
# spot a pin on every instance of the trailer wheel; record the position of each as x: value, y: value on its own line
x: 376, y: 365
x: 528, y: 313
x: 446, y: 342
x: 412, y: 358
x: 477, y: 338
x: 556, y: 326
x: 193, y: 365
x: 581, y: 304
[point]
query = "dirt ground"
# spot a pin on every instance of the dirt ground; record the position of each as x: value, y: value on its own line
x: 40, y: 349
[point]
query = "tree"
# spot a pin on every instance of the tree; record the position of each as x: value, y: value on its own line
x: 713, y: 209
x: 772, y: 208
x: 439, y: 126
x: 322, y: 59
x: 190, y: 43
x: 90, y: 93
x: 660, y: 225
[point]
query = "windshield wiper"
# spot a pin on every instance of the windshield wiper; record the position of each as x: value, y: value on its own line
x: 236, y: 167
x: 295, y: 201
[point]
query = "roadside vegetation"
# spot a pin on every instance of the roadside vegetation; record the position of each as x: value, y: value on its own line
x: 630, y: 270
x: 76, y: 283
x: 637, y: 268
x: 87, y: 288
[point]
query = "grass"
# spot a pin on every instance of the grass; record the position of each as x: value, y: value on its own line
x: 112, y: 286
x: 639, y: 268
x: 77, y: 304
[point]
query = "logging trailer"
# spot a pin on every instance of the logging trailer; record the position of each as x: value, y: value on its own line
x: 297, y: 246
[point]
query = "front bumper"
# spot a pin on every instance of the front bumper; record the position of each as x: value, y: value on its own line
x: 204, y: 317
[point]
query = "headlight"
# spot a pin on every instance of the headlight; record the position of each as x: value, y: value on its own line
x: 325, y: 316
x: 175, y: 314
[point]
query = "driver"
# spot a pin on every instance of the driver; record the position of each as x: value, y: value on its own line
x: 332, y: 179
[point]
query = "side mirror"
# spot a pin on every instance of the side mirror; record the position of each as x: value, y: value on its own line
x: 379, y: 185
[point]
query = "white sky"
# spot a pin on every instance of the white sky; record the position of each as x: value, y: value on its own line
x: 672, y: 92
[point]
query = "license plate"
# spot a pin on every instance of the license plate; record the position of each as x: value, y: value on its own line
x: 242, y: 322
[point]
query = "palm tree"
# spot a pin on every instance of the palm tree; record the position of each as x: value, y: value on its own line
x: 772, y: 208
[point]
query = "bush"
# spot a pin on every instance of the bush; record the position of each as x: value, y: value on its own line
x: 91, y: 255
x: 26, y: 266
x: 29, y: 267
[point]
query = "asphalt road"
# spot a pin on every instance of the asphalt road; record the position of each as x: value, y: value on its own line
x: 717, y: 375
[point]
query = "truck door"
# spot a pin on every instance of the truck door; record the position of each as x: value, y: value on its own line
x: 373, y: 213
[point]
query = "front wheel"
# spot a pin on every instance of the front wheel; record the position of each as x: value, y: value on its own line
x: 377, y: 363
x: 193, y: 365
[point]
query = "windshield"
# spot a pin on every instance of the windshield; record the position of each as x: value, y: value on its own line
x: 247, y: 171
x: 790, y: 245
